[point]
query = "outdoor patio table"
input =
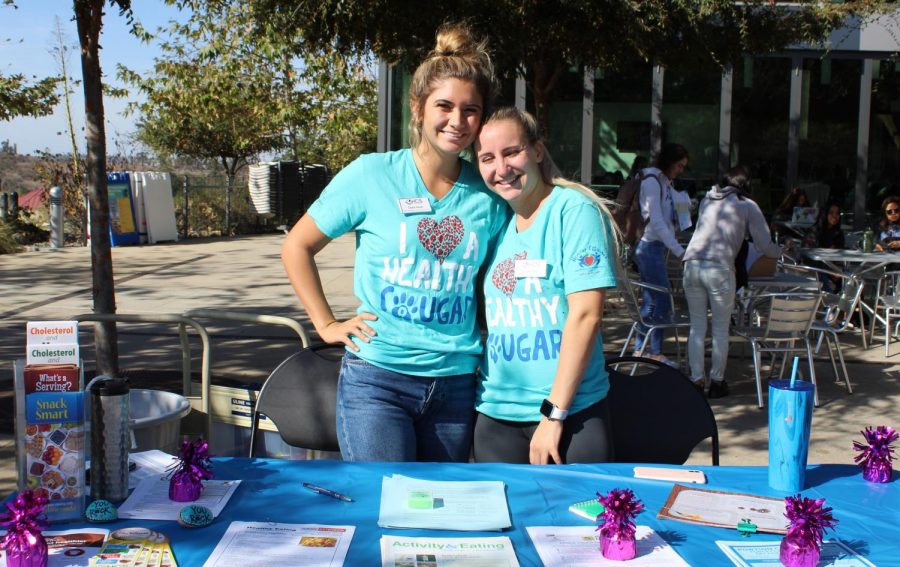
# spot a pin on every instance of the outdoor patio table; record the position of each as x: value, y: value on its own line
x: 537, y: 496
x: 781, y: 281
x: 840, y: 260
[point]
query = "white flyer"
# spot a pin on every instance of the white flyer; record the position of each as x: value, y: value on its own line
x: 458, y: 552
x: 150, y: 500
x: 265, y: 544
x: 579, y: 546
x: 443, y: 505
x: 765, y: 554
x: 70, y: 548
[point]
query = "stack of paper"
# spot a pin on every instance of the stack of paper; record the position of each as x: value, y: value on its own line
x: 443, y: 505
x: 150, y: 500
x: 574, y: 546
x: 267, y: 544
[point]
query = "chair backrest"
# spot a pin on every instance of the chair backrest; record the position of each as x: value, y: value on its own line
x: 657, y: 416
x: 791, y: 314
x: 847, y: 301
x: 626, y: 289
x: 300, y: 397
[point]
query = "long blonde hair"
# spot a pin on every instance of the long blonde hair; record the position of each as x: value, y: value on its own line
x: 456, y: 55
x: 550, y: 174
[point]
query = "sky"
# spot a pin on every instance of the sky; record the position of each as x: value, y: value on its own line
x: 26, y: 38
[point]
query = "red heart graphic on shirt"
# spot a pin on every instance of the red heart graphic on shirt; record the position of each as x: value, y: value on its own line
x: 504, y: 274
x: 441, y: 238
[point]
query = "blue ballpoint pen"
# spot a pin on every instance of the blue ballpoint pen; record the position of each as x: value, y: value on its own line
x: 326, y: 492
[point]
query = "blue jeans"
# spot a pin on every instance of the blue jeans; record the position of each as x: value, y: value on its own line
x: 656, y: 307
x: 709, y: 283
x: 387, y: 416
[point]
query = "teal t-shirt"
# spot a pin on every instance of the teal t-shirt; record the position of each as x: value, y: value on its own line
x: 525, y: 315
x: 417, y: 259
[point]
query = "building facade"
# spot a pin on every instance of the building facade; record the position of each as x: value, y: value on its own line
x: 823, y: 119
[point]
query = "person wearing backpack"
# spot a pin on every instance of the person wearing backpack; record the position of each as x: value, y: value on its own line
x: 658, y: 212
x: 726, y: 216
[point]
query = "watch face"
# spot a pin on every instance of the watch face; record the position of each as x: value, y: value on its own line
x: 546, y: 408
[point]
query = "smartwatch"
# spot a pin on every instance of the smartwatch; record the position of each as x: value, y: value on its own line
x: 550, y: 411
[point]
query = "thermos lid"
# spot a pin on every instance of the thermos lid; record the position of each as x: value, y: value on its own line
x: 112, y: 387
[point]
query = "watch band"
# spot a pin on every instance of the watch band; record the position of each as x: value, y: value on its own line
x: 551, y: 411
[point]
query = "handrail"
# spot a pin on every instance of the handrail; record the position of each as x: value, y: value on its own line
x: 181, y: 321
x: 252, y: 318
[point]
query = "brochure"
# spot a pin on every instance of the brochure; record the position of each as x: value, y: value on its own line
x: 764, y: 553
x: 443, y: 505
x: 70, y: 548
x: 579, y: 546
x: 150, y: 500
x: 458, y: 552
x: 724, y: 509
x: 135, y: 547
x: 264, y: 544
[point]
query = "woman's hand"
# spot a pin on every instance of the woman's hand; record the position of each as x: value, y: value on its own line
x: 340, y: 331
x: 545, y: 443
x: 878, y: 248
x: 894, y: 244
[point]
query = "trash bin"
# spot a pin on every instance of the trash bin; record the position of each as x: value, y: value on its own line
x: 156, y: 419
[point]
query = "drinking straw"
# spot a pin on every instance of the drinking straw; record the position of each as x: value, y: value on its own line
x: 794, y: 371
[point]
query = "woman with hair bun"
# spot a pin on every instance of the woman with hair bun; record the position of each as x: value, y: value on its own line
x: 424, y: 223
x: 543, y: 385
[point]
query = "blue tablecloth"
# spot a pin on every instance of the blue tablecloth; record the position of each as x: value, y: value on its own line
x: 868, y: 514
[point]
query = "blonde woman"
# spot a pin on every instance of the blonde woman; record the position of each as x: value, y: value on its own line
x: 543, y: 384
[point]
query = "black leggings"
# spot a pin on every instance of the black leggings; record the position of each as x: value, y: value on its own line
x: 585, y: 438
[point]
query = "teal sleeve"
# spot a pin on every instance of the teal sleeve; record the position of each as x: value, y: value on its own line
x: 342, y: 205
x: 587, y: 253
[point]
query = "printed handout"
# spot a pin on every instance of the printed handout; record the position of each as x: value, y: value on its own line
x: 579, y: 546
x: 265, y: 544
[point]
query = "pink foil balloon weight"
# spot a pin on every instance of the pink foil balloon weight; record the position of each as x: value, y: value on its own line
x: 876, y: 454
x: 808, y: 519
x: 794, y: 556
x: 188, y: 474
x: 24, y: 544
x: 617, y: 540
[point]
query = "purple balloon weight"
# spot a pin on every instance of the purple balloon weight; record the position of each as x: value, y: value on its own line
x: 34, y: 557
x: 182, y: 488
x: 796, y: 556
x: 618, y: 549
x: 877, y: 472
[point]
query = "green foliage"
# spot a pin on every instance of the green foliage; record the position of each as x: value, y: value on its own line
x: 221, y: 92
x: 8, y: 244
x: 54, y: 171
x: 543, y: 38
x: 19, y: 98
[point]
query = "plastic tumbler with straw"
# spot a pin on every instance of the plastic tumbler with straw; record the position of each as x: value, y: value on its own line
x: 790, y: 419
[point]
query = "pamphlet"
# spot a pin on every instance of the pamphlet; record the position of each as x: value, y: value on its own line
x: 70, y: 548
x: 762, y: 553
x: 589, y: 509
x: 135, y: 547
x: 443, y: 505
x: 264, y: 544
x: 150, y: 500
x: 458, y: 552
x: 724, y: 509
x: 579, y: 546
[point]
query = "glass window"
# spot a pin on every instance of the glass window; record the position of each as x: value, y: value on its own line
x: 884, y: 136
x: 621, y: 121
x: 829, y: 113
x: 564, y: 118
x: 690, y: 117
x: 759, y: 125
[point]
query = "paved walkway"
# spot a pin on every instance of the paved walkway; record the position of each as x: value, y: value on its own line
x: 245, y: 275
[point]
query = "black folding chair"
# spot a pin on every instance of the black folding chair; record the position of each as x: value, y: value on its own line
x: 657, y: 415
x: 300, y: 397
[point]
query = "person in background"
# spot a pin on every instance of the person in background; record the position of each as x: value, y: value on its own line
x: 658, y: 211
x: 725, y: 218
x: 796, y: 198
x: 543, y: 384
x: 827, y: 233
x: 424, y: 223
x: 887, y: 231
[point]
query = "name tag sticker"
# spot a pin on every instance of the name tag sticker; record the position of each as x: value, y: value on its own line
x: 414, y: 205
x: 530, y: 269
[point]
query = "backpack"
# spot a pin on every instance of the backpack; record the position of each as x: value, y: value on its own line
x: 627, y: 213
